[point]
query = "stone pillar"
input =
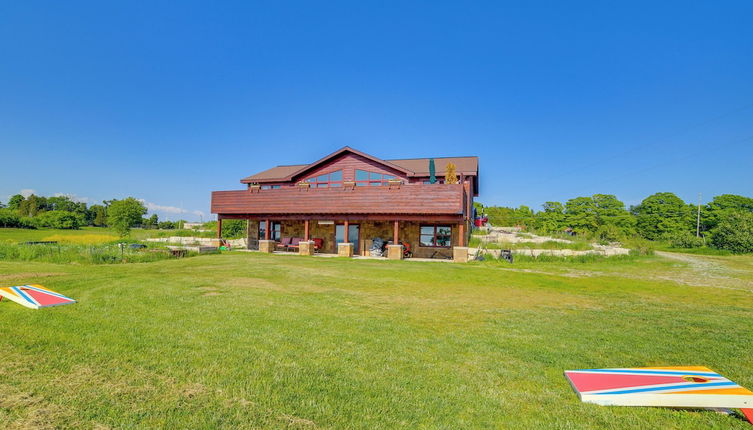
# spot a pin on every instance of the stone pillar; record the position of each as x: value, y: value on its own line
x: 267, y: 246
x: 395, y: 252
x: 345, y: 249
x: 460, y: 254
x: 306, y: 247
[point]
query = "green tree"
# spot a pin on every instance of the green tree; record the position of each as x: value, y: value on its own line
x: 661, y: 215
x: 59, y: 219
x: 582, y: 214
x: 552, y: 218
x: 124, y: 214
x: 612, y: 216
x: 722, y: 207
x: 15, y: 202
x: 98, y: 215
x: 734, y: 233
x: 153, y: 221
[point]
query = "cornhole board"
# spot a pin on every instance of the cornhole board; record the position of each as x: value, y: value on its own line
x: 681, y: 387
x: 34, y: 296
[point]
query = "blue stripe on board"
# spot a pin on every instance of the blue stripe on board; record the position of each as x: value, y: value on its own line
x: 672, y: 387
x: 47, y: 292
x: 26, y: 297
x: 650, y: 372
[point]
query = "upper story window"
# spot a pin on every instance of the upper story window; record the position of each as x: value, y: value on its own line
x: 332, y: 179
x: 364, y: 178
x: 439, y: 181
x: 271, y: 187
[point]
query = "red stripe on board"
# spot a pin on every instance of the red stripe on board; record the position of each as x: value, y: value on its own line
x: 45, y: 299
x: 607, y: 381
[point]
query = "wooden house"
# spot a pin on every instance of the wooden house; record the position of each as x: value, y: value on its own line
x: 352, y: 197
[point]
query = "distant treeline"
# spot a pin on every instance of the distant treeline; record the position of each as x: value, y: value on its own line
x: 725, y: 223
x: 62, y: 212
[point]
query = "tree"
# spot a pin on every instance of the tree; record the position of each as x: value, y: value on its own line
x: 612, y: 216
x: 722, y: 207
x: 2, y: 206
x: 153, y: 221
x: 661, y: 215
x: 59, y: 219
x: 734, y: 233
x: 15, y: 202
x: 582, y: 214
x: 124, y: 214
x: 450, y: 176
x: 98, y: 215
x: 552, y: 219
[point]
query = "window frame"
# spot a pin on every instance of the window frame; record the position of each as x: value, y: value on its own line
x: 435, y: 227
x: 373, y: 179
x: 327, y: 182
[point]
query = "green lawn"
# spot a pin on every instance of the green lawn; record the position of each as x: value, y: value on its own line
x: 87, y: 235
x: 245, y: 340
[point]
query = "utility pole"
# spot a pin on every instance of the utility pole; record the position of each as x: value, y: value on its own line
x: 698, y: 218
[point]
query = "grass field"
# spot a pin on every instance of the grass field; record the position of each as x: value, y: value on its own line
x: 245, y: 340
x: 87, y: 235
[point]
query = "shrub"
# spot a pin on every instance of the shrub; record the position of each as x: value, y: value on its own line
x: 58, y: 219
x: 685, y: 239
x: 734, y: 233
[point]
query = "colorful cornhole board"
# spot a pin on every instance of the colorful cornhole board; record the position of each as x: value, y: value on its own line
x: 34, y: 296
x: 681, y: 387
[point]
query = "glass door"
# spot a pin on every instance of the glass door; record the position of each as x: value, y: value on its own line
x: 353, y: 234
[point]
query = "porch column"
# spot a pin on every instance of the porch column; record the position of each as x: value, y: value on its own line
x: 395, y: 230
x: 219, y: 227
x: 461, y: 234
x: 306, y: 230
x: 345, y: 235
x: 266, y: 230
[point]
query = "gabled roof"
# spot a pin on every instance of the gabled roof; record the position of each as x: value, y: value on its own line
x: 410, y: 167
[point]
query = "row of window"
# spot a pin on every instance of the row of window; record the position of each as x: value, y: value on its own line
x: 335, y: 179
x: 435, y: 236
x: 363, y: 178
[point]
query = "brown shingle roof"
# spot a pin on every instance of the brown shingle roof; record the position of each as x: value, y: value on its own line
x: 278, y: 173
x: 420, y: 166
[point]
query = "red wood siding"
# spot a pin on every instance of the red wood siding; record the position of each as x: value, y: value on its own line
x: 348, y: 163
x: 407, y: 199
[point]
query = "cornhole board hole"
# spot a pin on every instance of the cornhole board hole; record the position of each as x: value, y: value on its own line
x: 34, y: 296
x: 680, y: 387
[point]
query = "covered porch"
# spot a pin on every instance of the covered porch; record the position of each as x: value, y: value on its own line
x: 406, y: 236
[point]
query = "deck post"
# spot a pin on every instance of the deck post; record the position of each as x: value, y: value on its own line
x: 461, y: 233
x: 395, y: 230
x: 306, y: 230
x: 346, y: 236
x: 266, y: 229
x: 219, y: 227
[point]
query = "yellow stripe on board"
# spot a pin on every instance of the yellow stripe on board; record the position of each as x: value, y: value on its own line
x: 738, y: 391
x: 690, y: 368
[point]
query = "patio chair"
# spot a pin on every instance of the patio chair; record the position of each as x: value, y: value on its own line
x: 318, y: 243
x: 294, y: 243
x: 284, y: 243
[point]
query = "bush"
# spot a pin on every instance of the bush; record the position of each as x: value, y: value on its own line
x: 685, y: 240
x: 9, y: 218
x: 58, y: 219
x: 734, y: 233
x: 609, y: 233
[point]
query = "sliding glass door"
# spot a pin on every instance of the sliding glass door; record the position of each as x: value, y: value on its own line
x: 353, y: 234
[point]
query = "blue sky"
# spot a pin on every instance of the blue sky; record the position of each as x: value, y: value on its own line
x: 167, y: 101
